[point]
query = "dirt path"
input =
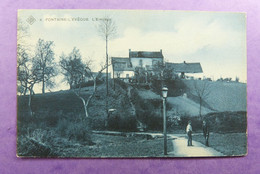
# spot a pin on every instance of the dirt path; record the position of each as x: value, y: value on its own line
x: 197, y: 150
x: 180, y: 148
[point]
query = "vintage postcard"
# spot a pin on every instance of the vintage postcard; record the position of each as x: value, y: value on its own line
x: 131, y: 83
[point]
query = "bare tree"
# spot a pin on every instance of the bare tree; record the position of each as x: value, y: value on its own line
x: 22, y: 32
x: 72, y: 67
x: 202, y: 90
x: 28, y: 77
x: 107, y: 30
x: 22, y: 55
x: 43, y: 62
x: 94, y: 76
x: 22, y: 64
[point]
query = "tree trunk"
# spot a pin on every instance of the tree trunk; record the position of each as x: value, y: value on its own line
x: 43, y: 81
x: 95, y: 85
x: 114, y: 85
x: 25, y: 90
x: 107, y: 79
x: 43, y: 86
x: 30, y: 100
x: 85, y: 107
x: 106, y: 67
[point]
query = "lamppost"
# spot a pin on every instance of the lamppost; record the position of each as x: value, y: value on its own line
x: 164, y: 95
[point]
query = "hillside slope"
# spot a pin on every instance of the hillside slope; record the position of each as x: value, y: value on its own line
x: 61, y: 104
x: 223, y: 96
x: 185, y: 106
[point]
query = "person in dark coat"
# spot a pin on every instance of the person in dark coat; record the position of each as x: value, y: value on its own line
x: 189, y: 133
x: 205, y: 128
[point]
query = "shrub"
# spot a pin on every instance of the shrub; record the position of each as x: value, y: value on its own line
x: 218, y: 122
x: 175, y: 87
x: 36, y: 143
x: 121, y: 83
x: 75, y: 130
x: 122, y: 122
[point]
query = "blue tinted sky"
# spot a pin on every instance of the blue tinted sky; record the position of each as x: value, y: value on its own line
x: 215, y: 39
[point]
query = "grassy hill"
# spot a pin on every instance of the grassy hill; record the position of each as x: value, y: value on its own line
x: 59, y: 105
x: 59, y: 119
x: 223, y: 96
x: 185, y: 106
x: 54, y: 102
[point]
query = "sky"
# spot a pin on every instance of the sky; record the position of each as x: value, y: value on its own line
x: 215, y: 39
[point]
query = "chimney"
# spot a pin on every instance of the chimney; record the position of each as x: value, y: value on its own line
x: 184, y: 61
x: 161, y: 50
x: 129, y: 50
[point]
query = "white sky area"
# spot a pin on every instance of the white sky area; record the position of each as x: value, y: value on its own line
x: 215, y: 39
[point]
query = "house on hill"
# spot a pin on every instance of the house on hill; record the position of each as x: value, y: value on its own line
x: 145, y: 59
x: 140, y: 61
x: 122, y: 68
x: 125, y: 67
x: 184, y: 67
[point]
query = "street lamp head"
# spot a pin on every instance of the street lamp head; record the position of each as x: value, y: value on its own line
x: 164, y: 92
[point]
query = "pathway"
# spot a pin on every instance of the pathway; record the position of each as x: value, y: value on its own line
x: 180, y: 148
x: 197, y: 150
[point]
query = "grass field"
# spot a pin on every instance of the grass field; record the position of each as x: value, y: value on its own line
x: 103, y: 146
x: 230, y: 144
x: 186, y: 106
x: 119, y: 146
x: 223, y: 96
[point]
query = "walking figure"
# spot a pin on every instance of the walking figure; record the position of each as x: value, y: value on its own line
x: 189, y: 133
x: 205, y: 129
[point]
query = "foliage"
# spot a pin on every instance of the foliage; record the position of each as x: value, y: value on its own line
x: 147, y: 111
x: 72, y: 67
x: 120, y: 122
x: 140, y: 75
x: 48, y: 133
x: 175, y: 87
x: 121, y: 83
x: 218, y: 122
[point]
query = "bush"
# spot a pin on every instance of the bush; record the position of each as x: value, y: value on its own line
x: 121, y: 122
x: 75, y: 130
x: 218, y: 122
x: 175, y: 87
x: 36, y: 143
x: 121, y: 83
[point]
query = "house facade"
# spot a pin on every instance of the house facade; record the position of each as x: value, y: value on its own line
x: 147, y: 62
x: 122, y: 68
x: 125, y: 67
x: 145, y: 59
